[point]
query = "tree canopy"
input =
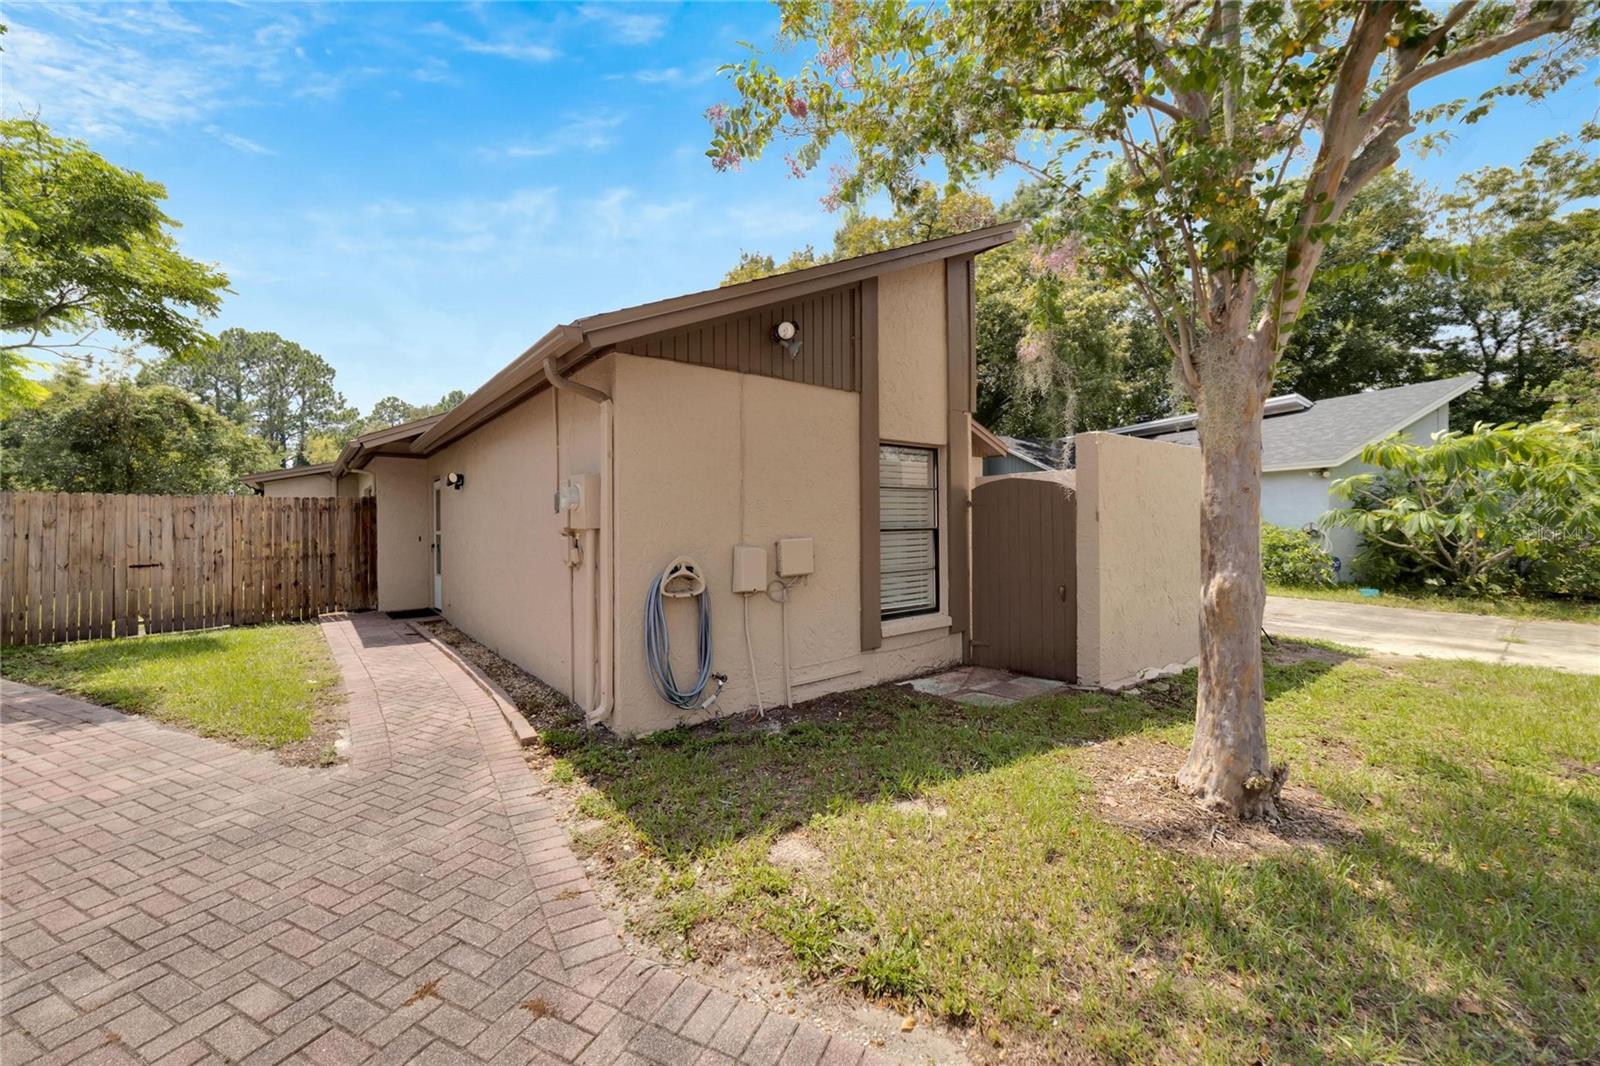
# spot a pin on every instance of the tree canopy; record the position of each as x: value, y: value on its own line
x: 119, y: 436
x: 282, y: 391
x: 88, y: 248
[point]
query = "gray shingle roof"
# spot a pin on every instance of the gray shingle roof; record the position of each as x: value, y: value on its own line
x: 1334, y: 431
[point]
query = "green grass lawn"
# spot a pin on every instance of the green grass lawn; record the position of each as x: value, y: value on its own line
x: 1444, y: 905
x: 1503, y: 606
x: 261, y: 685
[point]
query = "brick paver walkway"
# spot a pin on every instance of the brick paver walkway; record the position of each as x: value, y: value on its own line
x: 169, y: 899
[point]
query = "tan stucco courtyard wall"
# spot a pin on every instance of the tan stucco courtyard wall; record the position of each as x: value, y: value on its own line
x: 405, y: 531
x: 1138, y: 535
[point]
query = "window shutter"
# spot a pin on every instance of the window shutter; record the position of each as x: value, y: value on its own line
x: 908, y: 517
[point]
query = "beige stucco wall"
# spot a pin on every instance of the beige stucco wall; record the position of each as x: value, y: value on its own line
x: 913, y: 371
x: 1138, y: 532
x: 506, y: 579
x: 355, y: 484
x: 707, y: 459
x: 302, y: 485
x: 405, y: 533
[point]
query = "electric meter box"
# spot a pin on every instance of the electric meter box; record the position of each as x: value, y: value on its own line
x: 579, y: 497
x: 796, y: 557
x: 749, y: 568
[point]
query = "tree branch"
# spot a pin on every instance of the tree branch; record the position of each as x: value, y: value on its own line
x: 1472, y: 53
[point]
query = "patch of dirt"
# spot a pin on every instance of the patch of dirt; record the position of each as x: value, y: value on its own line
x: 1289, y: 652
x: 792, y: 851
x: 1134, y: 790
x: 329, y: 742
x: 540, y: 704
x: 921, y: 805
x: 1574, y: 769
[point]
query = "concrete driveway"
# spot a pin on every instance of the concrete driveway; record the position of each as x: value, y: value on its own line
x: 1573, y: 646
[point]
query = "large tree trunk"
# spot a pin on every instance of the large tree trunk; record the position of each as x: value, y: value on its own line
x: 1227, y: 767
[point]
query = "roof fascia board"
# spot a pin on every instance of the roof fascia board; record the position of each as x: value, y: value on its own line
x: 516, y: 380
x: 811, y: 279
x: 288, y: 471
x: 624, y: 330
x: 993, y: 445
x: 523, y: 375
x: 357, y: 453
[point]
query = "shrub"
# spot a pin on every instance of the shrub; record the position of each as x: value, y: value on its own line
x: 1293, y: 557
x: 1502, y: 509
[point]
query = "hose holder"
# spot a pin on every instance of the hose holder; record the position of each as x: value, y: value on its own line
x: 682, y: 578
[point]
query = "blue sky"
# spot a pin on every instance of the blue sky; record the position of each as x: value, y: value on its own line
x: 418, y: 191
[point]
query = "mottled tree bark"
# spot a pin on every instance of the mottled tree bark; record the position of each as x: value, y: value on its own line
x: 1227, y: 768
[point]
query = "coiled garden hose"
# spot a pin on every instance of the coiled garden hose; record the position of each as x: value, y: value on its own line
x: 658, y: 651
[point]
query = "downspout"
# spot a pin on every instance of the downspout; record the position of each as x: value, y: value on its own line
x: 600, y: 642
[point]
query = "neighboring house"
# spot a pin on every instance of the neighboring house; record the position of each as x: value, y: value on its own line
x: 1306, y: 445
x: 823, y: 416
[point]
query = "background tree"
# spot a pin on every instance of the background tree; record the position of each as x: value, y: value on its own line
x: 118, y: 436
x: 1529, y: 292
x: 1166, y: 134
x: 87, y: 248
x: 283, y: 392
x: 753, y: 265
x: 1371, y: 316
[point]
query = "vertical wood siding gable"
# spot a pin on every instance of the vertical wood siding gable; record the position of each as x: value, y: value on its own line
x: 829, y: 351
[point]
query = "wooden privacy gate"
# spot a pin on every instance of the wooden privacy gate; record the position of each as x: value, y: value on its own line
x: 77, y: 566
x: 1024, y: 575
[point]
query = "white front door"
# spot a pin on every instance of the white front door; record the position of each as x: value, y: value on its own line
x: 438, y: 545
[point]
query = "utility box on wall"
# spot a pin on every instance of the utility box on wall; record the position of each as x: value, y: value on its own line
x: 579, y: 498
x: 749, y: 568
x: 796, y: 557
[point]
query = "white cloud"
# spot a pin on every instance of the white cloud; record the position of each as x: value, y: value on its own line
x: 115, y: 71
x: 100, y: 88
x: 243, y: 144
x: 435, y: 71
x: 506, y: 46
x: 619, y: 213
x: 486, y: 231
x: 671, y: 76
x: 627, y: 27
x: 583, y: 133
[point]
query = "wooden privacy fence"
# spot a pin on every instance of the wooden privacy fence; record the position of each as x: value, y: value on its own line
x: 76, y: 566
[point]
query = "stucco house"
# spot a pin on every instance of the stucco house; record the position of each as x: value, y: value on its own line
x: 806, y: 440
x: 1306, y: 445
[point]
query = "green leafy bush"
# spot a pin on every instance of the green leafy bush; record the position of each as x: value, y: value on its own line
x: 1293, y: 557
x: 1502, y: 509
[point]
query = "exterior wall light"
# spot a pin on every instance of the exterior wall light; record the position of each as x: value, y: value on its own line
x: 455, y: 480
x: 787, y: 335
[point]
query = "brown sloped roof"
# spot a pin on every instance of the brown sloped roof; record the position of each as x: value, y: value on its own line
x: 287, y: 471
x: 524, y: 374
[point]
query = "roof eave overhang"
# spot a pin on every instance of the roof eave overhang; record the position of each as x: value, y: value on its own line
x: 363, y: 449
x: 524, y: 376
x: 309, y: 470
x: 991, y: 446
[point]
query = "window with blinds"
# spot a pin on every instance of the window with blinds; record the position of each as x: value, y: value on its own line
x: 908, y: 520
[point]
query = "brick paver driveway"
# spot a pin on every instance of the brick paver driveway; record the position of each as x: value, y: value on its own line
x: 171, y: 899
